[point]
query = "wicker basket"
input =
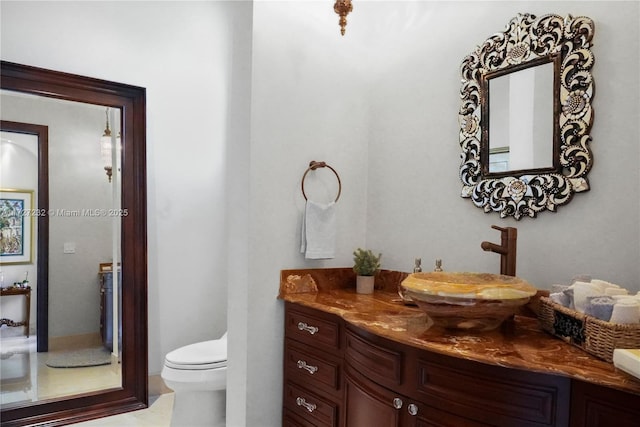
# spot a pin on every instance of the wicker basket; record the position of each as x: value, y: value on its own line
x: 593, y: 335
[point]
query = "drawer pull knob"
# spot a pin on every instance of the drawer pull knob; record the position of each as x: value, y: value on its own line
x: 308, y: 406
x: 397, y: 403
x: 311, y: 329
x: 303, y: 365
x: 413, y: 409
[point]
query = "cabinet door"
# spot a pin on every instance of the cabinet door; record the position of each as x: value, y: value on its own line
x: 595, y: 406
x: 103, y: 319
x: 492, y: 395
x: 367, y: 404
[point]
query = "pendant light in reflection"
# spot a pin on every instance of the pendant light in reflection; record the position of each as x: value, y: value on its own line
x: 106, y: 147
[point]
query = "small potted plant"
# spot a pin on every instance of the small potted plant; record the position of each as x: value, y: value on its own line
x: 365, y: 265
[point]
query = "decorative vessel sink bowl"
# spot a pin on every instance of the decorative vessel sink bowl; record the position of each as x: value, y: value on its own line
x: 467, y: 301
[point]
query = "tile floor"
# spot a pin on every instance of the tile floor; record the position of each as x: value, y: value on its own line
x: 25, y: 376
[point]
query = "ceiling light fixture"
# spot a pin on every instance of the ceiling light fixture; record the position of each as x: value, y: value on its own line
x: 106, y: 147
x: 342, y: 8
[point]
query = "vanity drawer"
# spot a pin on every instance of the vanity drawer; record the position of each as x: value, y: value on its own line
x: 289, y: 419
x: 321, y: 332
x: 305, y: 366
x: 309, y: 406
x: 382, y: 365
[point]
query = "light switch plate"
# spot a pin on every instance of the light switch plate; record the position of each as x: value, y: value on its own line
x: 69, y: 248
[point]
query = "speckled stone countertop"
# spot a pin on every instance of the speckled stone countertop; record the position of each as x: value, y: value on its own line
x: 521, y: 344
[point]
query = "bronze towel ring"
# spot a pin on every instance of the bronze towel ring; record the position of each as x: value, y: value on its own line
x: 313, y: 165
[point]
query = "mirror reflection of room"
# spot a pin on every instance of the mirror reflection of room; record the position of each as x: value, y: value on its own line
x: 521, y: 119
x: 80, y: 351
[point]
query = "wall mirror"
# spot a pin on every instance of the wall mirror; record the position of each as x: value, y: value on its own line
x: 88, y: 272
x: 526, y: 114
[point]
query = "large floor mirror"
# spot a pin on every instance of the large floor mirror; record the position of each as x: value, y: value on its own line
x: 73, y: 261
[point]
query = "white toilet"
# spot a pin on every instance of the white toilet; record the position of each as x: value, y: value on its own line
x: 197, y: 373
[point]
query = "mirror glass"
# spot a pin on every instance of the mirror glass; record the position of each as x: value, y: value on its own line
x: 525, y: 116
x: 80, y: 350
x: 521, y: 119
x: 78, y: 353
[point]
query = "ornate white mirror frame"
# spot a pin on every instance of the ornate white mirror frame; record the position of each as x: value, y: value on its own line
x: 529, y: 41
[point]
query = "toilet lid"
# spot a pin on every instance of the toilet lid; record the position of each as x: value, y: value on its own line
x: 203, y: 355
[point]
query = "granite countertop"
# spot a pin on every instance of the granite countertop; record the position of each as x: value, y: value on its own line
x: 522, y: 344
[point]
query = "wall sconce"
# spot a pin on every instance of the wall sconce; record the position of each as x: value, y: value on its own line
x: 342, y: 8
x: 106, y: 147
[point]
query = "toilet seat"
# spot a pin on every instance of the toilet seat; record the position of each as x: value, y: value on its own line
x: 203, y: 355
x: 197, y: 374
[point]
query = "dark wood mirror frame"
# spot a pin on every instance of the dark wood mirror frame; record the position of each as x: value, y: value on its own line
x: 131, y: 101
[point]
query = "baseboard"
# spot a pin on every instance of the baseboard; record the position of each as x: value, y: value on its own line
x: 157, y: 386
x: 74, y: 342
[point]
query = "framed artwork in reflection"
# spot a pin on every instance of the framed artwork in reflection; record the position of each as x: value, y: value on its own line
x: 17, y: 215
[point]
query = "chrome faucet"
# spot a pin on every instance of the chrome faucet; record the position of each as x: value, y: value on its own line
x: 506, y: 249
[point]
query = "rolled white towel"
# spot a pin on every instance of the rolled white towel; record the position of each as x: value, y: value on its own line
x: 615, y: 291
x: 560, y: 298
x: 582, y: 290
x: 602, y: 284
x: 581, y: 278
x: 600, y: 307
x: 623, y: 297
x: 626, y: 311
x: 569, y: 293
x: 558, y: 288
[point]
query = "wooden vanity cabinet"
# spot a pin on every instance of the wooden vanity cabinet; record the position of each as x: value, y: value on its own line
x: 105, y: 277
x: 428, y: 389
x: 361, y: 379
x: 313, y: 377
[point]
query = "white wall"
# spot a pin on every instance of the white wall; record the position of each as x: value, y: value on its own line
x: 309, y: 102
x: 181, y: 53
x: 415, y: 152
x: 379, y: 104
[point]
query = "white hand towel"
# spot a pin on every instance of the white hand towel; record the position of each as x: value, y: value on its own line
x: 319, y: 230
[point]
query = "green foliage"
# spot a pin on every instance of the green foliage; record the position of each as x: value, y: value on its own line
x: 365, y: 263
